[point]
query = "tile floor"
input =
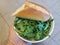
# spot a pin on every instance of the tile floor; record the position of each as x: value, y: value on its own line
x: 7, y: 7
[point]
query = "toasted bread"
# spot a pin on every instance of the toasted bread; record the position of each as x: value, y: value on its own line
x: 33, y: 11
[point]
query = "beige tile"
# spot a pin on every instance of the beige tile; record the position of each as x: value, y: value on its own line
x: 9, y: 18
x: 3, y: 31
x: 9, y: 6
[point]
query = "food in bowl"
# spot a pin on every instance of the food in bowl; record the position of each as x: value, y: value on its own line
x: 32, y: 30
x: 33, y: 22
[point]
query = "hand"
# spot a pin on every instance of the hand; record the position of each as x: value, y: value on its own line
x: 13, y: 38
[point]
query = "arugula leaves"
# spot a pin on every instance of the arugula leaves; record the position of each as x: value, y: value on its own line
x: 32, y: 29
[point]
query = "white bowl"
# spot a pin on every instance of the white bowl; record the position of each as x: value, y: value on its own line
x: 51, y: 30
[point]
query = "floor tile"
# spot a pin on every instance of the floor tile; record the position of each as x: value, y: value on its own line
x: 49, y: 42
x: 3, y: 31
x: 57, y: 8
x: 38, y: 2
x: 9, y: 18
x: 57, y: 38
x: 8, y: 6
x: 54, y: 5
x: 50, y: 3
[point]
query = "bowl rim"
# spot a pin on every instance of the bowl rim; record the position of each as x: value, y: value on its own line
x: 51, y: 30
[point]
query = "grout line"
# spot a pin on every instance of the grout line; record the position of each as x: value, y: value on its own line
x: 4, y: 19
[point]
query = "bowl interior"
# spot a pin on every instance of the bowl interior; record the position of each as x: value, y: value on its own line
x: 51, y: 30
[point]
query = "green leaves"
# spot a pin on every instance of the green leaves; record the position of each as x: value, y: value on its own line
x: 38, y: 36
x: 46, y: 26
x: 40, y: 26
x: 32, y: 29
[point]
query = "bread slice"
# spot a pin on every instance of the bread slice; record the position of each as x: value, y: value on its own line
x: 33, y: 11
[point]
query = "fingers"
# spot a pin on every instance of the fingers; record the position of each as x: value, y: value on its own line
x: 13, y: 38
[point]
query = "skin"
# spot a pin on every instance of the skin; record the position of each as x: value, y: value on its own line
x: 13, y: 38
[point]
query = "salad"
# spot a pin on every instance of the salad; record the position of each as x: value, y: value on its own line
x: 32, y: 30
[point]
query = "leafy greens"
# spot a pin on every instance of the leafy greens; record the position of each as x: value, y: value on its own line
x: 32, y: 29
